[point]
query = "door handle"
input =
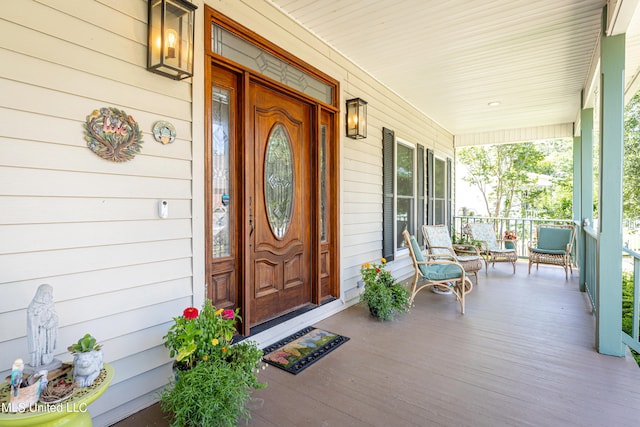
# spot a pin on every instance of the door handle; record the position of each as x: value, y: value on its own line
x: 250, y: 217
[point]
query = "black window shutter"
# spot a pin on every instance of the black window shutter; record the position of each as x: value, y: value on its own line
x: 388, y: 184
x: 449, y: 193
x: 420, y: 188
x: 430, y: 164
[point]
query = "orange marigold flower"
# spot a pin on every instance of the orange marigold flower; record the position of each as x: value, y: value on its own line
x: 224, y: 349
x: 366, y: 265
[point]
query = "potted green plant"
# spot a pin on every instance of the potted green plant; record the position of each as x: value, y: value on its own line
x: 213, y: 378
x: 464, y: 239
x: 382, y: 293
x: 87, y: 360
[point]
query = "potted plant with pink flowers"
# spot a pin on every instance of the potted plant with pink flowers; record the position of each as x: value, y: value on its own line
x: 510, y: 238
x: 201, y: 335
x: 213, y: 377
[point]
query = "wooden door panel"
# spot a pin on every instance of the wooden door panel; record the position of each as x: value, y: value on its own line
x: 293, y: 271
x: 266, y: 278
x: 280, y: 260
x: 222, y: 284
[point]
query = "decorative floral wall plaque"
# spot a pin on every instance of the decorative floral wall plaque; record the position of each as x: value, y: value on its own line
x: 112, y: 134
x: 164, y: 132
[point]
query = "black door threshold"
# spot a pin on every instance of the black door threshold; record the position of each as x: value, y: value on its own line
x: 281, y: 319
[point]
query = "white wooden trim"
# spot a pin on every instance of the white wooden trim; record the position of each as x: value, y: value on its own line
x: 564, y: 130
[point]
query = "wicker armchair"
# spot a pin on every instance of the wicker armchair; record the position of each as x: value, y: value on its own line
x: 491, y: 250
x: 438, y: 242
x: 435, y: 271
x: 553, y: 246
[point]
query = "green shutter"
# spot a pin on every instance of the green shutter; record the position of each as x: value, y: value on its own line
x: 388, y: 184
x: 420, y: 199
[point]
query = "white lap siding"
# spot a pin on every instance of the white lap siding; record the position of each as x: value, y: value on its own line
x: 89, y: 227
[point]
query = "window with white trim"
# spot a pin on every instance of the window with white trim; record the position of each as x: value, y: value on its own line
x: 439, y: 191
x: 416, y: 191
x: 405, y: 189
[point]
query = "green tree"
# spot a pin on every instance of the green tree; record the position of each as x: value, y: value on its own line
x: 631, y: 184
x: 510, y: 176
x: 502, y: 172
x: 557, y: 201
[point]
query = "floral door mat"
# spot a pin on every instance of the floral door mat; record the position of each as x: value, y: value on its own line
x: 305, y: 347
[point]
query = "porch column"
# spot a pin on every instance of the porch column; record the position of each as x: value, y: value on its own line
x: 609, y: 250
x: 583, y: 185
x: 577, y: 198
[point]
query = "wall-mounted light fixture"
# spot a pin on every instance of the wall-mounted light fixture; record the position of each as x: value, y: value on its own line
x: 170, y: 28
x: 357, y: 118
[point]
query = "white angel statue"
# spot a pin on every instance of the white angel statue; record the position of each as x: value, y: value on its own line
x: 42, y: 327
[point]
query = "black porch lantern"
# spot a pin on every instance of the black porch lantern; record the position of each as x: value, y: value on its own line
x: 170, y: 44
x: 357, y: 118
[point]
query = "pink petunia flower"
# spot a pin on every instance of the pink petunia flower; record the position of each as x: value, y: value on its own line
x: 228, y: 314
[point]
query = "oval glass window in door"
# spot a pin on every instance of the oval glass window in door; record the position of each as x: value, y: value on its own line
x: 278, y: 180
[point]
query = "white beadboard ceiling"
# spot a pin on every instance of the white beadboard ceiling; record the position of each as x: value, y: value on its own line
x: 450, y: 59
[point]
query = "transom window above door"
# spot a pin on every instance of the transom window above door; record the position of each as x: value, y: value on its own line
x: 231, y: 46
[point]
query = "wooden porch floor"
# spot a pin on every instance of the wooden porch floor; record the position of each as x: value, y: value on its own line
x: 523, y: 354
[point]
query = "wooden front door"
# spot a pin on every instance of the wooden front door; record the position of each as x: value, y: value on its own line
x: 279, y: 198
x: 271, y: 179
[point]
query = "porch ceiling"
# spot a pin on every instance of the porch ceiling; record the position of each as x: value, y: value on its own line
x: 451, y: 59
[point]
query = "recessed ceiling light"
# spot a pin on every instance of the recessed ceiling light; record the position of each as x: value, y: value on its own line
x: 493, y: 103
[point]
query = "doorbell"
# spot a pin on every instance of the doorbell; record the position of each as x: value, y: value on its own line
x: 163, y: 209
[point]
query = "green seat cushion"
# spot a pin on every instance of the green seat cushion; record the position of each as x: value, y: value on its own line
x: 502, y: 251
x: 548, y: 251
x: 443, y: 272
x: 465, y: 258
x: 434, y: 271
x: 418, y: 253
x: 553, y: 239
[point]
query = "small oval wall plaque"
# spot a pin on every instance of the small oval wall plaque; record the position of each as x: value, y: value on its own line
x: 164, y: 132
x: 112, y: 134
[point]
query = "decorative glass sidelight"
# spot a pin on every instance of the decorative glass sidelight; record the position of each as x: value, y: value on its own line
x: 220, y: 179
x: 323, y: 183
x: 278, y: 180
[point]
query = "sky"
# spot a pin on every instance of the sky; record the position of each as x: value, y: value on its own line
x: 466, y: 195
